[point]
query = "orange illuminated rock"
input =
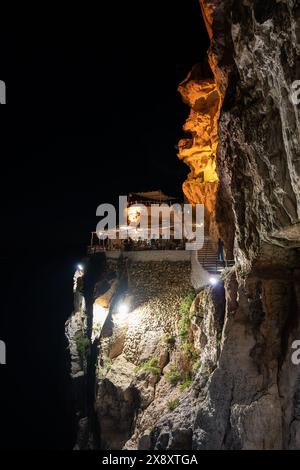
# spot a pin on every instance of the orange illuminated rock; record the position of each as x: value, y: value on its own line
x: 199, y: 150
x: 203, y: 90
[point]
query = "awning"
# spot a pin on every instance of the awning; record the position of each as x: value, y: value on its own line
x: 154, y: 196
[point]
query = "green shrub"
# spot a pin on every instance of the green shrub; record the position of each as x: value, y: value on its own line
x: 197, y: 366
x: 186, y: 303
x: 173, y: 376
x: 183, y: 327
x: 169, y: 340
x: 83, y: 347
x: 186, y: 382
x: 189, y: 350
x: 185, y: 321
x: 149, y: 366
x: 172, y: 404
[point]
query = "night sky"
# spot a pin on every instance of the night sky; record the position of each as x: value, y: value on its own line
x: 92, y: 112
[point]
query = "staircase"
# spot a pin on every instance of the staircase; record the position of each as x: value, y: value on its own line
x: 207, y: 256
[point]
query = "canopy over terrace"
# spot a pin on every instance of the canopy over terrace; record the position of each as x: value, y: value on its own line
x: 151, y: 197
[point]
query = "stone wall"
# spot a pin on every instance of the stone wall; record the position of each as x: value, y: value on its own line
x: 151, y: 255
x: 130, y: 399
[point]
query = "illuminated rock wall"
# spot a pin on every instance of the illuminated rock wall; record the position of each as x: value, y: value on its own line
x: 250, y: 398
x: 204, y: 90
x: 244, y: 390
x: 199, y: 150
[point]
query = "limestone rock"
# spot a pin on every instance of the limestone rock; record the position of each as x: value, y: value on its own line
x: 243, y: 153
x: 116, y: 403
x: 199, y: 152
x: 251, y: 398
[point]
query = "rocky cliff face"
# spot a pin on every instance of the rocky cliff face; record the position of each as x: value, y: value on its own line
x: 251, y: 399
x: 130, y: 366
x: 76, y: 334
x: 200, y: 92
x: 259, y: 127
x: 215, y: 371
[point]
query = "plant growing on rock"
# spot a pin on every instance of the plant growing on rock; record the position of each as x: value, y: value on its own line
x: 190, y: 351
x: 183, y: 327
x: 150, y: 366
x: 197, y: 366
x: 187, y: 381
x: 173, y: 376
x: 83, y: 348
x: 186, y: 303
x: 185, y: 321
x: 170, y: 341
x: 172, y: 404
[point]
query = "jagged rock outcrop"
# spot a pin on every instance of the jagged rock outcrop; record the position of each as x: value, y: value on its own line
x: 93, y: 289
x: 200, y: 92
x: 259, y: 147
x: 251, y: 399
x: 75, y: 332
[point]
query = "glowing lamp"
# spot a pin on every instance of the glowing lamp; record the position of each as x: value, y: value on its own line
x: 123, y: 309
x: 134, y: 214
x: 213, y: 281
x: 80, y: 267
x: 99, y: 313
